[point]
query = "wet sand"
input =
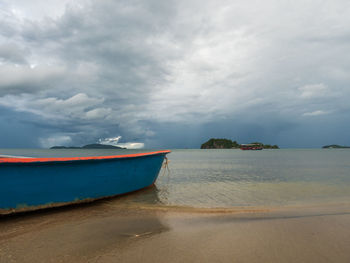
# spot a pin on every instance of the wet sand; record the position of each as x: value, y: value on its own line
x: 105, y: 232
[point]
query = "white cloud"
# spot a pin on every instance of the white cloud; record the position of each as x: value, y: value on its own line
x: 80, y: 101
x: 110, y: 141
x: 316, y: 113
x: 98, y: 114
x: 38, y: 9
x: 131, y: 145
x: 79, y: 107
x: 16, y: 79
x: 313, y: 91
x: 115, y: 141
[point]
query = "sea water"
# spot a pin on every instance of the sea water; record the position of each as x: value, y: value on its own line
x: 228, y: 178
x: 234, y: 178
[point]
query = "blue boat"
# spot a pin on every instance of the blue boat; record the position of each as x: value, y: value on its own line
x: 34, y: 183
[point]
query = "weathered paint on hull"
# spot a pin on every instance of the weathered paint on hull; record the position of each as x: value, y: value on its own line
x: 31, y: 185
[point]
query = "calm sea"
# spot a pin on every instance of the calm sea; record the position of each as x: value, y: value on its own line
x: 230, y: 178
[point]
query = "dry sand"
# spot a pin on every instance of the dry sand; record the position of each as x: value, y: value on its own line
x: 102, y: 232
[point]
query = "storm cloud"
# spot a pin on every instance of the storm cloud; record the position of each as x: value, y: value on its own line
x: 174, y: 73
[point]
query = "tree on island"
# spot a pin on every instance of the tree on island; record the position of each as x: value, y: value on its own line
x: 219, y: 144
x: 266, y: 146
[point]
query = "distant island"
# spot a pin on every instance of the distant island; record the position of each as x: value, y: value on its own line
x: 334, y: 146
x: 228, y: 144
x: 89, y: 146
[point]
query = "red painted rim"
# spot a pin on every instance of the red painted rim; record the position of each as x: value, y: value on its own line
x: 35, y: 160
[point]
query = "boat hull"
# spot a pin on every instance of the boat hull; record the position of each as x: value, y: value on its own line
x: 32, y: 185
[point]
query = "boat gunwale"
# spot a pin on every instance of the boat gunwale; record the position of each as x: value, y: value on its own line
x: 24, y: 160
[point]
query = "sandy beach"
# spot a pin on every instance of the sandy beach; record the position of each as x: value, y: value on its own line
x: 103, y: 232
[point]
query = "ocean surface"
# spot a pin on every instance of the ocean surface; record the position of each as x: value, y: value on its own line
x: 236, y: 178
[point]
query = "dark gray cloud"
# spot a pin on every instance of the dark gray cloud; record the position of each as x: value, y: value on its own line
x: 174, y: 73
x: 10, y: 52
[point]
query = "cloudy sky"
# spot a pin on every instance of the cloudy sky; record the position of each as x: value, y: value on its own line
x: 172, y: 74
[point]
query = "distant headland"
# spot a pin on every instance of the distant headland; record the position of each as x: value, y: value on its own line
x: 228, y: 144
x: 89, y: 146
x: 334, y: 146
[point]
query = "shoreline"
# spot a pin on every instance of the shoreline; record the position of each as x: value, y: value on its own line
x: 119, y: 203
x: 108, y: 231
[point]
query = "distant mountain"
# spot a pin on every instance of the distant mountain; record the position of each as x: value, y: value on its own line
x: 89, y: 146
x: 334, y: 146
x: 64, y: 147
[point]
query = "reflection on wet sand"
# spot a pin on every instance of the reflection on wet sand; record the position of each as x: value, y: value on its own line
x: 149, y: 195
x: 75, y: 234
x: 138, y: 228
